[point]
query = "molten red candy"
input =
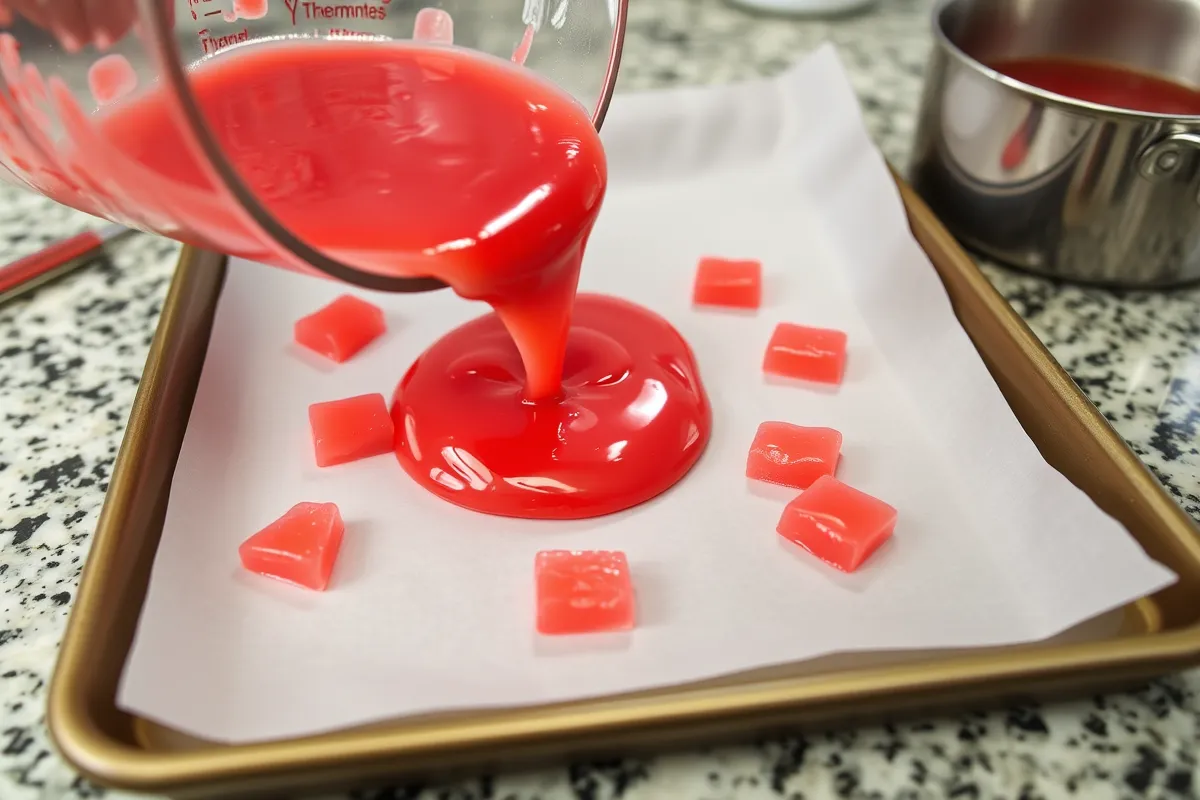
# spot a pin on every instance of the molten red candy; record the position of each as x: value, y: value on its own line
x: 790, y: 455
x: 583, y: 592
x: 341, y: 329
x: 631, y: 420
x: 811, y: 354
x: 300, y: 547
x: 350, y: 429
x: 733, y: 284
x: 837, y: 523
x: 433, y: 160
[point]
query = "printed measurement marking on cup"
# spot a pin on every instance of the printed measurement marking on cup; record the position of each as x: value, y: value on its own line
x: 207, y: 8
x: 313, y: 10
x: 212, y: 44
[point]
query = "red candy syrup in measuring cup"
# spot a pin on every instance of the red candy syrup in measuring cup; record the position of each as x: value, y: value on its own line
x: 445, y: 162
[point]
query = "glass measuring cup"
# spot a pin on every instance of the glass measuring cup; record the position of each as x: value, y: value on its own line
x: 59, y: 78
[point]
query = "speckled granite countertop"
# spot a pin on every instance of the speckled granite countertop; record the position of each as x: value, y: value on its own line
x: 71, y: 355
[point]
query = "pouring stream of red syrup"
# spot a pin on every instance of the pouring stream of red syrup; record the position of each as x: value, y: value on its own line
x: 441, y: 161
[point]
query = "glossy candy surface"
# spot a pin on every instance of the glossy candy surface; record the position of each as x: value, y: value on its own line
x: 300, y: 547
x: 810, y: 354
x: 350, y: 429
x: 728, y: 283
x: 792, y: 455
x: 586, y: 591
x: 837, y: 523
x: 631, y: 420
x: 341, y: 329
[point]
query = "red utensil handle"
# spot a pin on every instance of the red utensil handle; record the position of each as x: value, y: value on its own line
x: 34, y: 266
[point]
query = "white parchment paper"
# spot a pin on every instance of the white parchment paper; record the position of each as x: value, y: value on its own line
x: 432, y: 608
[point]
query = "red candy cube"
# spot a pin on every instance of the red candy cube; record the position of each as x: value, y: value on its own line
x: 811, y: 354
x: 433, y: 25
x: 341, y: 329
x: 350, y: 429
x: 837, y: 523
x: 733, y: 284
x: 250, y: 9
x: 300, y: 547
x: 790, y: 455
x: 583, y: 592
x: 111, y: 78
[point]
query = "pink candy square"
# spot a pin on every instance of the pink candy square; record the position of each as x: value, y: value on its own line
x: 351, y: 429
x: 811, y: 354
x: 583, y: 591
x: 792, y: 455
x: 342, y: 328
x: 729, y: 283
x: 837, y: 523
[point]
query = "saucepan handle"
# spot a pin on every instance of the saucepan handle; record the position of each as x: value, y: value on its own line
x: 1163, y: 157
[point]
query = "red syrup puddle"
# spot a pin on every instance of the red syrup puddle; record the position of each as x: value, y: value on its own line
x: 418, y: 159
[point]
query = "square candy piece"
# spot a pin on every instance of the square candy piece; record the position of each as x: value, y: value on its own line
x: 732, y: 284
x: 350, y: 429
x: 837, y: 523
x: 791, y: 455
x: 111, y: 78
x: 341, y: 329
x: 586, y: 591
x: 810, y: 354
x: 300, y: 547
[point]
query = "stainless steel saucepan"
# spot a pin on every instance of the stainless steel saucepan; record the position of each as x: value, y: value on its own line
x: 1058, y: 186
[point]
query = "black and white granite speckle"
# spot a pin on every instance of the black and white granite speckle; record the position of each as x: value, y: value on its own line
x: 71, y: 355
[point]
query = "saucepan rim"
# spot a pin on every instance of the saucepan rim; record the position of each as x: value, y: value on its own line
x: 1064, y: 102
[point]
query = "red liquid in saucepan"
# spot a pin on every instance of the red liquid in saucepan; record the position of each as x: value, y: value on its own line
x: 1103, y: 84
x: 438, y: 161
